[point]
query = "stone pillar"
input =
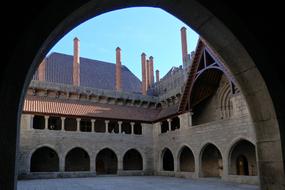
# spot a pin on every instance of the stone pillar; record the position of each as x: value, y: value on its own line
x: 143, y: 62
x: 157, y: 75
x: 169, y: 124
x: 41, y: 70
x: 46, y: 122
x: 78, y: 124
x: 61, y: 163
x: 76, y: 63
x: 93, y: 125
x: 120, y: 126
x: 120, y: 164
x: 62, y: 123
x: 31, y: 126
x: 106, y: 125
x: 183, y: 124
x: 118, y: 69
x: 132, y: 127
x: 151, y: 75
x: 92, y: 162
x: 190, y: 118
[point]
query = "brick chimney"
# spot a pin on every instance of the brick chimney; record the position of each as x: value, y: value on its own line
x: 76, y: 62
x: 147, y: 75
x: 42, y: 70
x: 151, y: 74
x: 184, y: 46
x: 144, y: 79
x: 157, y: 75
x: 118, y: 69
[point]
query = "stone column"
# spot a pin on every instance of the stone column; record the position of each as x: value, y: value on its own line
x: 62, y: 123
x: 190, y: 118
x: 132, y: 127
x: 93, y: 125
x: 183, y: 124
x: 120, y: 164
x: 61, y: 163
x: 46, y: 122
x: 106, y: 125
x: 31, y: 122
x: 120, y: 126
x: 169, y: 124
x: 78, y: 124
x: 93, y: 163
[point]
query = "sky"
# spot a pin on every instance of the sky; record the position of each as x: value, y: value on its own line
x: 135, y: 30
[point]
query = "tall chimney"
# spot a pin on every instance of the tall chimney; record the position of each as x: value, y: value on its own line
x: 151, y: 74
x: 147, y: 74
x: 143, y: 61
x: 41, y: 70
x: 184, y: 45
x: 157, y: 75
x: 118, y: 69
x: 76, y: 62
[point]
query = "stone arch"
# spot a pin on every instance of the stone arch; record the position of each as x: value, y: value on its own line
x: 106, y: 162
x: 186, y: 159
x: 242, y: 158
x: 211, y: 161
x: 167, y: 160
x: 77, y: 159
x: 238, y: 44
x: 44, y: 159
x: 132, y: 160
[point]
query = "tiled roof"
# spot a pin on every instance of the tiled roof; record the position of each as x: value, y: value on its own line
x: 45, y: 105
x: 93, y: 73
x: 169, y: 111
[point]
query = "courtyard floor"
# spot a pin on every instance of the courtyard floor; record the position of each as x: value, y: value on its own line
x: 130, y: 183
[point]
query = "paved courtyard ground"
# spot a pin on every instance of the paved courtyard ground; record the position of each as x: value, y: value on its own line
x: 130, y: 183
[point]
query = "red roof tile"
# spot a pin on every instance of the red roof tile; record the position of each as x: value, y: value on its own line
x: 45, y: 105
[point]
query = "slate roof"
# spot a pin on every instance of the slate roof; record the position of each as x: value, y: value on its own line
x: 93, y: 73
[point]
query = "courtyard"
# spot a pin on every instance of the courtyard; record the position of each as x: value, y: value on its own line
x: 131, y: 182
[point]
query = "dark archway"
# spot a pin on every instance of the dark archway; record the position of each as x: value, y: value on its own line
x: 186, y: 160
x: 242, y: 159
x: 77, y: 159
x: 106, y: 162
x: 243, y: 42
x: 132, y: 160
x: 167, y: 160
x: 211, y: 161
x: 44, y: 159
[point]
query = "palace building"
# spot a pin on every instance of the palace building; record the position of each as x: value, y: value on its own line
x: 84, y: 117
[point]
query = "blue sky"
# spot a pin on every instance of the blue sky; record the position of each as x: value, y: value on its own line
x: 134, y: 30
